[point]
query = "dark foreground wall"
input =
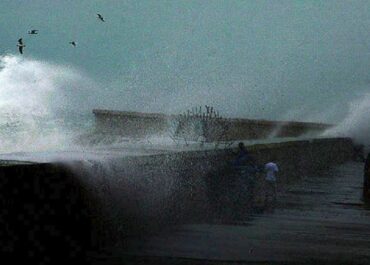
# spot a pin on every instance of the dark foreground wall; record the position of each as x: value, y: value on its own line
x: 55, y: 212
x: 43, y: 216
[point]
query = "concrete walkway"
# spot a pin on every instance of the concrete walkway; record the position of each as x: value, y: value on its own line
x: 317, y: 219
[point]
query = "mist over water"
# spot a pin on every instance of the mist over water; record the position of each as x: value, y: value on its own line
x: 356, y: 123
x: 46, y: 107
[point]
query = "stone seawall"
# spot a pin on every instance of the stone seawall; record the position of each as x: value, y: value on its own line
x: 49, y: 208
x: 179, y: 183
x: 136, y: 124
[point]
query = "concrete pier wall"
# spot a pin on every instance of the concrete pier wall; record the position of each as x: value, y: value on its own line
x: 180, y: 182
x: 48, y: 208
x: 136, y: 124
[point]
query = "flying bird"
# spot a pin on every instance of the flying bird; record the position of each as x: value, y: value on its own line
x: 33, y: 31
x: 101, y: 17
x: 73, y: 43
x: 20, y: 45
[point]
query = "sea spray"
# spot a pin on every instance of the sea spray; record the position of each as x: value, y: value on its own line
x: 129, y: 195
x: 37, y: 99
x: 357, y: 122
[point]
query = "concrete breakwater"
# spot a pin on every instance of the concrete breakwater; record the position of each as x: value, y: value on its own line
x: 137, y: 124
x: 53, y: 208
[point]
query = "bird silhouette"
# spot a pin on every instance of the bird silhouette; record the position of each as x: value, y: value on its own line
x: 33, y: 31
x: 101, y: 17
x: 20, y: 45
x: 73, y: 43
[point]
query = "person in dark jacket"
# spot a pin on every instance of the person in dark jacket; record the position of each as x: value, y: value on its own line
x: 243, y: 158
x: 245, y: 169
x: 366, y: 187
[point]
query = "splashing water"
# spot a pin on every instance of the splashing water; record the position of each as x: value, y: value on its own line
x: 34, y: 102
x: 45, y: 106
x: 357, y: 122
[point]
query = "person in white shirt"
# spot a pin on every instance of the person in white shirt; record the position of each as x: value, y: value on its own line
x: 271, y: 170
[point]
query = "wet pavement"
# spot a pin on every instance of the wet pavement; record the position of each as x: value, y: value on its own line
x: 317, y: 220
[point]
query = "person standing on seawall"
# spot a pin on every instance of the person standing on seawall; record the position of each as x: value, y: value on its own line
x: 243, y: 158
x: 271, y: 170
x: 366, y: 187
x: 245, y: 168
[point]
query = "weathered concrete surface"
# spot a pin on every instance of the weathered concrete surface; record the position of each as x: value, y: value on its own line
x: 318, y: 220
x: 137, y: 193
x: 136, y: 124
x: 106, y: 200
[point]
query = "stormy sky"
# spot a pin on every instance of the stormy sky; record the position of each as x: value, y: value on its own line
x: 301, y: 60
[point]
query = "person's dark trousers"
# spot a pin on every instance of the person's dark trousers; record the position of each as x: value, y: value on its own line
x: 365, y: 192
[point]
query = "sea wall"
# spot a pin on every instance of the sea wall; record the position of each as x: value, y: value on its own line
x: 179, y: 184
x: 49, y: 209
x: 137, y: 124
x: 43, y: 216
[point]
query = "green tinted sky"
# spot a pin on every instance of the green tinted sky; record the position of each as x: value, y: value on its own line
x: 267, y: 59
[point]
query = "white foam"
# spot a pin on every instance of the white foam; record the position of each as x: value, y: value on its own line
x: 32, y: 92
x: 356, y: 124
